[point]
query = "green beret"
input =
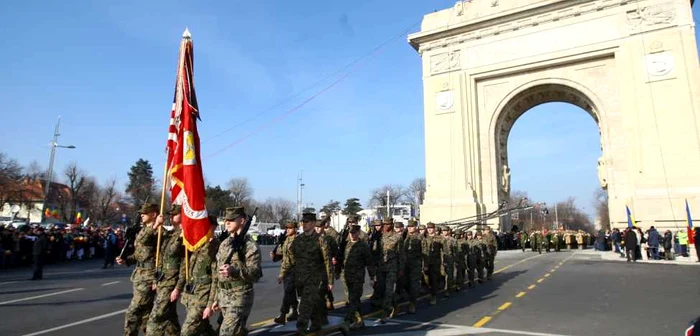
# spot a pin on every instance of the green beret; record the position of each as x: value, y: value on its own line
x: 234, y: 213
x: 175, y: 209
x: 147, y: 208
x: 308, y: 217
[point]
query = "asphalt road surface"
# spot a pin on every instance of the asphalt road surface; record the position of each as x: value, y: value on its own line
x: 565, y: 293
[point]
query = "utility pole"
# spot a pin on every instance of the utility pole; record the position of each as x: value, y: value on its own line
x: 556, y: 215
x: 388, y: 203
x: 49, y: 174
x: 300, y: 195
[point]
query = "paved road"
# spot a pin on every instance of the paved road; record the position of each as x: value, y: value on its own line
x: 549, y: 294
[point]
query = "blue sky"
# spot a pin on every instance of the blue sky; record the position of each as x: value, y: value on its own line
x: 108, y: 69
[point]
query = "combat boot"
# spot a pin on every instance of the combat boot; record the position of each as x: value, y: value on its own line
x: 382, y: 320
x: 329, y: 305
x: 358, y: 322
x: 394, y: 311
x: 411, y: 308
x: 281, y: 319
x: 433, y: 300
x: 293, y: 316
x: 301, y: 327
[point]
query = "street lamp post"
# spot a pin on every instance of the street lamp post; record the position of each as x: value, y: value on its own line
x: 54, y: 145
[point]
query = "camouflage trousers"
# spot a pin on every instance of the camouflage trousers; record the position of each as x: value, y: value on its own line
x: 471, y: 267
x: 290, y: 295
x: 449, y: 273
x: 310, y: 302
x: 194, y: 324
x: 480, y: 266
x: 411, y: 281
x: 386, y: 280
x: 163, y: 318
x: 235, y: 311
x: 353, y: 293
x: 490, y: 259
x: 434, y: 274
x: 461, y: 267
x: 136, y: 316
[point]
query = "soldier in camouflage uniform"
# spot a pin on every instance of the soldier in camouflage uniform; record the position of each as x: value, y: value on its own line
x: 400, y: 292
x: 433, y: 254
x: 422, y: 230
x: 492, y: 247
x: 163, y: 319
x: 389, y: 267
x: 144, y: 275
x: 198, y: 295
x: 536, y: 241
x: 556, y: 241
x: 374, y: 242
x: 235, y: 277
x: 290, y: 293
x: 471, y: 259
x: 412, y: 247
x: 524, y: 237
x: 480, y: 251
x: 326, y: 294
x: 357, y: 258
x: 461, y: 250
x: 448, y: 259
x: 310, y: 257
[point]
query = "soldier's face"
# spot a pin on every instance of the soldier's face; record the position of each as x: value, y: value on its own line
x: 355, y: 235
x: 411, y: 229
x: 387, y: 227
x: 233, y: 225
x: 291, y: 231
x: 431, y: 231
x: 308, y: 226
x: 398, y: 230
x: 446, y: 233
x: 421, y: 231
x: 177, y: 219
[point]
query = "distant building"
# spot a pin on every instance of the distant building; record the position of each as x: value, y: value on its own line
x: 29, y: 196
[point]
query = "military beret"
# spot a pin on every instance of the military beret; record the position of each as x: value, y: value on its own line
x: 234, y: 213
x: 431, y: 225
x: 290, y: 224
x: 175, y: 209
x: 148, y: 208
x: 308, y: 217
x: 412, y: 222
x: 398, y: 224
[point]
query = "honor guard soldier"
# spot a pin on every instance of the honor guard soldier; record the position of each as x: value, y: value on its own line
x: 289, y: 300
x: 448, y: 259
x: 461, y: 251
x: 433, y: 255
x: 357, y: 258
x: 389, y: 267
x: 492, y: 246
x: 238, y: 267
x: 413, y: 269
x: 163, y: 319
x: 144, y: 275
x: 326, y: 294
x: 471, y: 259
x: 310, y: 258
x: 478, y: 247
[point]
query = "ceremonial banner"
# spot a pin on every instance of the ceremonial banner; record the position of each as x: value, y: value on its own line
x: 689, y: 221
x: 630, y: 219
x: 184, y: 161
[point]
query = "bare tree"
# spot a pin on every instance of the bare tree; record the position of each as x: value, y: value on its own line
x: 107, y: 196
x: 284, y: 209
x: 75, y: 179
x: 10, y: 179
x: 416, y: 191
x: 241, y: 191
x: 397, y: 194
x: 601, y: 207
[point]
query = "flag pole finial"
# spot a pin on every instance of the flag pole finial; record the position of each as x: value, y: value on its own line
x: 186, y: 34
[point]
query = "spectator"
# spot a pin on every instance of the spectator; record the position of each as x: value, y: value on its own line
x: 653, y: 241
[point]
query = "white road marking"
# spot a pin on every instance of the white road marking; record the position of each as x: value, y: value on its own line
x: 453, y: 329
x: 41, y: 296
x: 104, y: 316
x: 8, y: 282
x: 110, y: 283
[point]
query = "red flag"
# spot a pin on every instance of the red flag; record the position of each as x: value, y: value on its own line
x: 184, y: 161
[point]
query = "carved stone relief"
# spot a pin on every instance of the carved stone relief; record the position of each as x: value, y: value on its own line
x: 444, y: 62
x: 659, y: 64
x: 651, y: 17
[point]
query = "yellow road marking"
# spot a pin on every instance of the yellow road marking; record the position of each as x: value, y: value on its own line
x: 482, y: 322
x: 532, y: 286
x: 504, y: 306
x: 519, y: 262
x: 540, y: 280
x: 547, y: 275
x: 261, y: 323
x: 521, y: 294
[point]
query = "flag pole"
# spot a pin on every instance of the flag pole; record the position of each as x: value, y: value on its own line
x: 162, y: 208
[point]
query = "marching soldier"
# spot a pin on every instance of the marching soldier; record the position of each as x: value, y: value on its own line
x: 471, y: 259
x: 310, y: 257
x: 556, y: 241
x: 390, y: 266
x: 481, y: 253
x: 433, y: 254
x: 374, y: 242
x: 326, y: 294
x: 238, y: 268
x: 413, y: 251
x: 422, y: 230
x: 163, y: 319
x: 290, y: 294
x: 401, y: 282
x: 448, y: 259
x: 524, y: 237
x: 144, y: 275
x: 536, y: 241
x: 492, y: 247
x: 460, y: 258
x: 198, y: 295
x: 357, y: 258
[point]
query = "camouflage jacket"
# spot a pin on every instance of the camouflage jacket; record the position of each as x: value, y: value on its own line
x: 310, y: 258
x: 450, y: 248
x: 392, y: 256
x: 462, y: 250
x: 490, y: 239
x: 171, y: 254
x: 332, y: 244
x: 479, y: 248
x: 202, y: 265
x: 245, y: 270
x: 357, y: 258
x: 413, y: 248
x: 433, y: 250
x: 331, y: 232
x: 285, y: 251
x: 144, y: 255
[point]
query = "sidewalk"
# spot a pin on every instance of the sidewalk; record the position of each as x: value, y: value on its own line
x: 687, y: 261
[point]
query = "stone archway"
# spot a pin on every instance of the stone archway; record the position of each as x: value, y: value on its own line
x: 631, y: 64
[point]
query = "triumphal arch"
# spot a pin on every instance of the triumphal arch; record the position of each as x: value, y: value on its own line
x: 631, y: 64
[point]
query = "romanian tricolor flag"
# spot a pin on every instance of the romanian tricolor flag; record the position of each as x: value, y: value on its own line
x: 184, y: 161
x: 79, y: 217
x: 47, y: 212
x: 630, y: 219
x: 54, y: 213
x: 689, y: 221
